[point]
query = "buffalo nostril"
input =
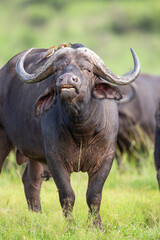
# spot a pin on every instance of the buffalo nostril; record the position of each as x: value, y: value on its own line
x: 75, y: 79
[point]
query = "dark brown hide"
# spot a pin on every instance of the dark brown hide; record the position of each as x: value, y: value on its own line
x: 69, y: 121
x: 137, y: 117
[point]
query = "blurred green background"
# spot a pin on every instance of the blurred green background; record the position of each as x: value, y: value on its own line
x: 108, y: 27
x: 130, y: 206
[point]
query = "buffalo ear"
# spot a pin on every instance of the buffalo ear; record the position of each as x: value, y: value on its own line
x: 104, y: 90
x: 45, y: 101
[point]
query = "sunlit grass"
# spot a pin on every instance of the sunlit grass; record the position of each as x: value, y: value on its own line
x: 129, y: 208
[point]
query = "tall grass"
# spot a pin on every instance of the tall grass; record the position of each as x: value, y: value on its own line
x: 130, y: 203
x: 129, y: 209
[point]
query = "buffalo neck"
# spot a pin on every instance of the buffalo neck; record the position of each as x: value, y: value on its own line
x: 84, y: 121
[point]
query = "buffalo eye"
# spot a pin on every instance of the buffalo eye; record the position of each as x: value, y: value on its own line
x: 87, y: 70
x: 57, y: 70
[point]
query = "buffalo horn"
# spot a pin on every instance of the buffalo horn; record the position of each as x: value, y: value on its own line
x: 103, y: 71
x: 131, y: 95
x: 99, y: 67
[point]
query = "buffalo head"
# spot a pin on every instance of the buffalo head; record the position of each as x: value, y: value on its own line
x: 78, y: 72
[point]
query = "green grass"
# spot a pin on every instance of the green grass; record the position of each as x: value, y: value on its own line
x: 130, y: 206
x: 129, y: 209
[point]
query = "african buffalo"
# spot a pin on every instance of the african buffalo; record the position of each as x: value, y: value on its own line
x: 137, y: 117
x: 68, y: 121
x: 157, y: 143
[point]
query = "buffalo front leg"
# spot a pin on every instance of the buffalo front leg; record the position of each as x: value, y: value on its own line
x: 94, y: 191
x: 32, y: 180
x: 66, y: 196
x: 62, y: 180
